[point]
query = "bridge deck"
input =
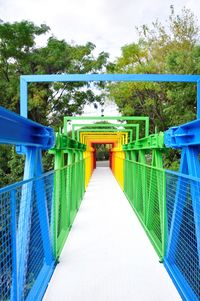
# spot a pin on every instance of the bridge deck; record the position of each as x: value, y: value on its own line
x: 107, y: 256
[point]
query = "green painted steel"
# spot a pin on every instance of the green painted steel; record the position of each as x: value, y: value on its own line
x: 149, y: 201
x: 104, y: 118
x: 103, y: 131
x: 151, y: 142
x: 144, y: 178
x: 68, y: 186
x: 105, y: 126
x: 145, y: 186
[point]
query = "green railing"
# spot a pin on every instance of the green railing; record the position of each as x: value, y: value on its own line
x: 68, y: 192
x: 144, y: 186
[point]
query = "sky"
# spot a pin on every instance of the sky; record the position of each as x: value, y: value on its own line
x: 109, y: 24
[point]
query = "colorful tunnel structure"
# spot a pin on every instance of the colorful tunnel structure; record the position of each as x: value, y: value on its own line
x: 37, y: 213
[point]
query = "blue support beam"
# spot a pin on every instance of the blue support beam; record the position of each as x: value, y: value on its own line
x: 23, y: 230
x: 17, y: 130
x: 187, y: 134
x: 110, y: 77
x: 23, y: 96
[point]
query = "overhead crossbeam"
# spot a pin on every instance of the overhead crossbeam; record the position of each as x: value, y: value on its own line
x: 121, y: 138
x: 104, y: 131
x: 102, y: 125
x: 133, y: 118
x: 25, y: 79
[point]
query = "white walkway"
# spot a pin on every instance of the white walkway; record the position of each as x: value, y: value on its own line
x: 107, y: 256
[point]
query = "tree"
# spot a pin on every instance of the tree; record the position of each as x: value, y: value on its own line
x: 170, y: 48
x: 48, y: 102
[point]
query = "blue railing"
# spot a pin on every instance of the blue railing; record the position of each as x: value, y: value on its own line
x: 182, y: 258
x: 26, y: 250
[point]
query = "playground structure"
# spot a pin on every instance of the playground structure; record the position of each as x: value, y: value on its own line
x: 36, y: 214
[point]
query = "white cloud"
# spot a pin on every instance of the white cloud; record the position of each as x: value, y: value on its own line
x: 108, y: 24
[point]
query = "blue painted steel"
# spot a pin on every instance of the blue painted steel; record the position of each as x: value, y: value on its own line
x: 23, y: 96
x: 25, y: 79
x: 38, y: 290
x: 33, y: 168
x: 182, y: 258
x: 178, y: 210
x: 23, y: 182
x: 198, y: 99
x: 33, y: 137
x: 14, y: 287
x: 23, y: 233
x: 37, y: 265
x: 181, y: 284
x: 183, y: 135
x: 43, y: 212
x: 186, y: 137
x: 6, y: 247
x: 17, y: 130
x: 189, y: 165
x: 111, y: 77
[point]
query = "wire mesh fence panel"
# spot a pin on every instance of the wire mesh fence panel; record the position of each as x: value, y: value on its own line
x: 70, y: 185
x: 146, y: 193
x: 6, y: 253
x: 68, y: 193
x: 35, y: 218
x: 80, y: 182
x: 34, y: 203
x: 34, y: 250
x: 26, y: 232
x: 73, y: 192
x: 183, y: 220
x: 62, y: 208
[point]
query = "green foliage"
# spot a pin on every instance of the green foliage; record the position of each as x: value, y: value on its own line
x: 170, y: 48
x: 11, y: 165
x: 48, y: 102
x: 102, y: 151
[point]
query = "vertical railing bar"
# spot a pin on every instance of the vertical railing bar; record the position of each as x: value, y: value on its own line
x: 164, y: 234
x: 14, y: 290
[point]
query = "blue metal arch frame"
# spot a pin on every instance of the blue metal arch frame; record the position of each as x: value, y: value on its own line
x: 25, y: 79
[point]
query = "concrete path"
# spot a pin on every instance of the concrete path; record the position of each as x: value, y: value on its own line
x: 107, y: 256
x: 102, y: 163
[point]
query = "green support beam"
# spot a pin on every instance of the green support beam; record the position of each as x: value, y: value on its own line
x: 102, y: 125
x: 104, y: 118
x: 103, y: 131
x: 154, y: 141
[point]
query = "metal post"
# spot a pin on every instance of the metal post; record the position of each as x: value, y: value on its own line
x: 14, y: 288
x: 198, y: 99
x: 23, y: 97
